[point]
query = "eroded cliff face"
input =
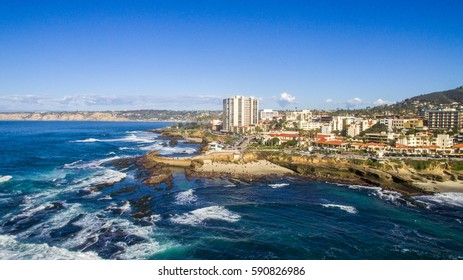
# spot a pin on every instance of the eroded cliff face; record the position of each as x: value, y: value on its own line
x: 398, y: 175
x: 65, y: 116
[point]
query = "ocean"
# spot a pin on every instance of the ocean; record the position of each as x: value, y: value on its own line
x: 61, y: 198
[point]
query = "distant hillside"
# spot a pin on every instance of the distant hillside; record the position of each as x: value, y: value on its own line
x: 409, y: 107
x: 441, y: 97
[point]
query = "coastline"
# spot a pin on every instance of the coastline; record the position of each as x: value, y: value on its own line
x: 392, y: 175
x: 255, y: 167
x: 91, y: 120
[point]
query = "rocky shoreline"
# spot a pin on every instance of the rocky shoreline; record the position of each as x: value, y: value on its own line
x: 253, y: 166
x: 409, y: 178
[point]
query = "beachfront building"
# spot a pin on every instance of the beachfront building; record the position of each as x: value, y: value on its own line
x: 444, y: 118
x: 401, y: 123
x: 354, y: 129
x: 309, y: 125
x: 303, y: 115
x: 216, y: 125
x: 444, y: 141
x: 214, y: 146
x: 326, y: 129
x: 283, y: 136
x: 339, y: 123
x: 240, y: 113
x: 268, y: 114
x: 330, y: 141
x: 415, y: 140
x: 382, y: 137
x: 359, y: 125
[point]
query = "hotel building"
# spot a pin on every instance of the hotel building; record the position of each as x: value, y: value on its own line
x: 240, y: 113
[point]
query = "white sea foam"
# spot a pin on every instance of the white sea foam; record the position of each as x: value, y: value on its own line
x: 126, y: 207
x: 141, y: 250
x: 198, y: 216
x: 154, y: 218
x: 120, y: 209
x: 92, y: 164
x: 449, y: 198
x: 93, y: 225
x: 31, y: 201
x: 11, y: 249
x: 358, y: 187
x: 6, y: 178
x: 106, y: 197
x: 88, y: 140
x: 140, y: 138
x: 392, y: 196
x: 388, y: 195
x: 169, y: 150
x: 349, y: 209
x: 186, y: 197
x: 58, y: 220
x: 276, y: 186
x: 132, y: 137
x: 30, y: 210
x: 126, y: 148
x: 104, y: 176
x: 100, y: 177
x: 230, y: 186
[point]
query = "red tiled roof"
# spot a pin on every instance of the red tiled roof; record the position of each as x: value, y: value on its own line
x: 376, y: 144
x: 432, y: 147
x: 283, y: 135
x: 334, y: 143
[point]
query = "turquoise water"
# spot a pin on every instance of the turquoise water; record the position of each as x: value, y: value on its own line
x: 60, y: 198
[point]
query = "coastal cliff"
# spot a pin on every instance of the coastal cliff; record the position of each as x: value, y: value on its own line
x: 130, y: 115
x: 64, y: 116
x: 406, y: 177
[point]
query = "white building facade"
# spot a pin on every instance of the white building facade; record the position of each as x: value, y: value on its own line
x: 240, y: 112
x: 268, y: 114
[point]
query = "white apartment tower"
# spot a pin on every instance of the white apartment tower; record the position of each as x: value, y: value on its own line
x: 240, y: 111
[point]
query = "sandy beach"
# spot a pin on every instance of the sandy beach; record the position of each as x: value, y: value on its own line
x: 447, y: 186
x: 257, y: 168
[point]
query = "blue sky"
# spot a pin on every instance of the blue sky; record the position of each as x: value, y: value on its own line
x: 100, y: 55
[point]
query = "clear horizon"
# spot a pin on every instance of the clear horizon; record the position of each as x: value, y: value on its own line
x: 182, y: 55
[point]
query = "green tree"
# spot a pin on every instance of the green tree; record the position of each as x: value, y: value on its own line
x: 273, y: 142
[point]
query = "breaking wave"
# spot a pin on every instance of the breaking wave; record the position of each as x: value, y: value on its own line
x: 198, y: 216
x: 88, y: 140
x: 92, y: 164
x: 348, y: 209
x: 105, y: 176
x: 186, y: 197
x: 6, y: 178
x: 169, y: 150
x: 450, y: 199
x: 132, y: 137
x: 276, y: 186
x: 387, y: 195
x: 11, y: 249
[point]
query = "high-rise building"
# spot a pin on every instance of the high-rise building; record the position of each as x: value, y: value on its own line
x: 240, y: 112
